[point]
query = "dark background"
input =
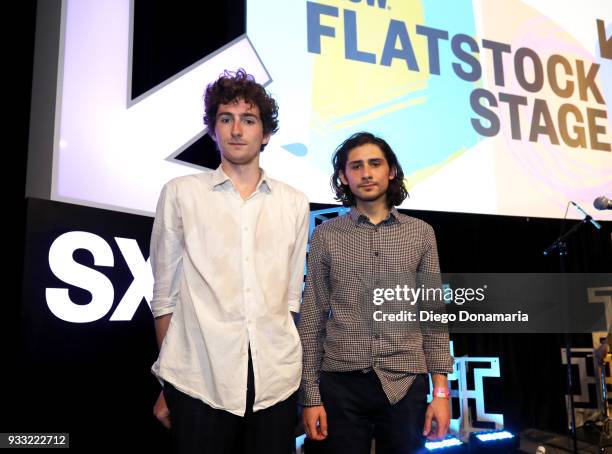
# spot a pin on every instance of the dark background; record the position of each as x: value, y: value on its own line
x: 93, y: 380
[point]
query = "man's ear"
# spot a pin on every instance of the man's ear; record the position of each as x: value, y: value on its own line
x: 266, y: 139
x: 392, y: 173
x: 342, y: 178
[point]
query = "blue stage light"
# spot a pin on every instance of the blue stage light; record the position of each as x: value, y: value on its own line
x: 449, y: 445
x: 493, y: 436
x: 498, y: 441
x: 434, y: 445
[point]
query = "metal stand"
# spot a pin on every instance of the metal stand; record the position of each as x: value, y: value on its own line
x: 560, y: 246
x: 604, y: 421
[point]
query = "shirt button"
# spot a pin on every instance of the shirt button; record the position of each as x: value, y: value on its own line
x: 376, y: 254
x: 376, y: 336
x: 246, y: 259
x: 247, y: 290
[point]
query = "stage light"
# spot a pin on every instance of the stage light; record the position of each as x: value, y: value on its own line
x: 448, y: 445
x: 299, y: 443
x: 498, y: 441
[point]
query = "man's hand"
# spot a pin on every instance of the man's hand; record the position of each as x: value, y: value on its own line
x: 439, y: 411
x: 315, y: 422
x: 160, y: 410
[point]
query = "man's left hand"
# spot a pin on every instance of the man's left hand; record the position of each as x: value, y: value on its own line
x: 439, y: 411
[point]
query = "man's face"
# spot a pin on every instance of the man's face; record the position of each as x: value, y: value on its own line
x: 239, y: 132
x: 367, y: 173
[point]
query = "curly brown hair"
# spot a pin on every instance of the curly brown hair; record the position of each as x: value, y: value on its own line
x: 232, y: 86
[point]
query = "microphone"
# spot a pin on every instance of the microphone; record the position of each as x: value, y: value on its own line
x: 602, y: 203
x: 587, y: 216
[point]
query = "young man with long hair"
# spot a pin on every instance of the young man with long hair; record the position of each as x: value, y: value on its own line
x: 362, y: 378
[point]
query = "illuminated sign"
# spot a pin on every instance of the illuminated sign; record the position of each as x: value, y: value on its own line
x: 64, y: 267
x: 504, y: 105
x: 497, y: 108
x: 111, y: 151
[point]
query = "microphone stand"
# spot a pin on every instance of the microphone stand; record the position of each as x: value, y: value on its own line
x: 560, y: 243
x: 560, y: 246
x: 599, y: 363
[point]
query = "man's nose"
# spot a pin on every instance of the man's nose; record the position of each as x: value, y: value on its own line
x: 236, y: 128
x: 366, y: 172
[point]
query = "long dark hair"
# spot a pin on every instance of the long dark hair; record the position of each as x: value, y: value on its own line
x: 396, y: 192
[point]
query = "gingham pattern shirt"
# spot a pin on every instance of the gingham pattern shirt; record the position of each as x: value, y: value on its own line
x: 335, y: 331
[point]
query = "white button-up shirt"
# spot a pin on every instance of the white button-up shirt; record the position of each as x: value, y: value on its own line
x: 230, y: 271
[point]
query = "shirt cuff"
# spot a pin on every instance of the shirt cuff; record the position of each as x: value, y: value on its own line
x: 294, y: 305
x: 160, y: 309
x: 441, y: 368
x: 310, y: 396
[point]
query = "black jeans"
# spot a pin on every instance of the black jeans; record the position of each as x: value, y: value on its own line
x: 358, y: 410
x: 199, y: 428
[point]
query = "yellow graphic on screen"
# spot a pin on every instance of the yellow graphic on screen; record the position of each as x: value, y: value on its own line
x: 346, y: 91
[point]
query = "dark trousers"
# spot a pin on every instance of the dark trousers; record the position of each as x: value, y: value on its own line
x: 358, y: 410
x: 199, y: 428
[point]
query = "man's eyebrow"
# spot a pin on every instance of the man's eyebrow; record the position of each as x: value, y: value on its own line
x: 244, y: 114
x: 357, y: 161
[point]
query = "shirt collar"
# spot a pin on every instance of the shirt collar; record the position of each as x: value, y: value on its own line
x: 219, y: 178
x: 359, y: 217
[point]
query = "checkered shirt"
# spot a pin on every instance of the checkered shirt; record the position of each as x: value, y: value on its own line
x: 349, y: 255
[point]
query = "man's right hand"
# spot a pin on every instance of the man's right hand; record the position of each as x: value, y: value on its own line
x: 160, y: 410
x: 315, y: 422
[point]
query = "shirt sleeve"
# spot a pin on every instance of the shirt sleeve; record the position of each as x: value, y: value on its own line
x: 436, y: 345
x: 166, y: 252
x: 298, y: 256
x: 315, y: 312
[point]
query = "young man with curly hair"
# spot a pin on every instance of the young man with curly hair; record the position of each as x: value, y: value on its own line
x: 227, y: 251
x: 363, y: 379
